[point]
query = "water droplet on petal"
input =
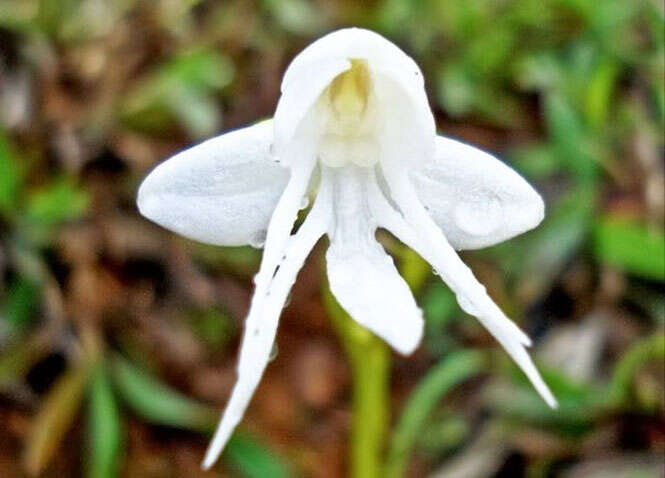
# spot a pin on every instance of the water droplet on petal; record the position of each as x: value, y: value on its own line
x: 258, y: 239
x: 274, y: 351
x: 304, y: 202
x: 479, y: 217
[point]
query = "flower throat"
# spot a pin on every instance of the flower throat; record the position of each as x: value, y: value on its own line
x: 350, y: 126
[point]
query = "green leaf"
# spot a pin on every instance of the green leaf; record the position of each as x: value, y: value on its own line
x: 182, y: 89
x: 456, y: 90
x: 297, y: 16
x: 620, y: 386
x: 579, y: 403
x: 252, y: 459
x: 599, y: 93
x: 427, y: 395
x: 11, y: 177
x: 104, y: 427
x: 536, y: 161
x: 213, y: 326
x: 630, y: 246
x: 567, y: 131
x: 20, y: 304
x: 440, y: 307
x: 158, y: 403
x: 55, y: 417
x: 60, y: 201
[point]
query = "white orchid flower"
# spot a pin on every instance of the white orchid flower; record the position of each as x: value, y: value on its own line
x: 352, y: 122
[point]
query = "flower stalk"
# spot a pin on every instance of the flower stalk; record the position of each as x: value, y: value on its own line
x: 369, y: 359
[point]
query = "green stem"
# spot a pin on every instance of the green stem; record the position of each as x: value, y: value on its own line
x: 369, y: 359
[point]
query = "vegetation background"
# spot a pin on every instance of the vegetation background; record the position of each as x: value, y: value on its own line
x: 118, y: 340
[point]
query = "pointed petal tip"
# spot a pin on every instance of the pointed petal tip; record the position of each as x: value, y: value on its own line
x: 549, y: 398
x: 214, y: 450
x: 208, y: 461
x: 540, y: 385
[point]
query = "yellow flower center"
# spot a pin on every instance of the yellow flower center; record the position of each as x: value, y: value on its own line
x: 349, y: 136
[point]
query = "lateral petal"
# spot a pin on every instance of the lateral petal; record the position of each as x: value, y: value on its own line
x: 474, y: 198
x: 222, y: 191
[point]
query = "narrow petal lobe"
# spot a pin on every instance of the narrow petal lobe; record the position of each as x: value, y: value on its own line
x: 261, y: 324
x: 433, y: 246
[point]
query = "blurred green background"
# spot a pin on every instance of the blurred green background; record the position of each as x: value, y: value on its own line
x: 118, y: 340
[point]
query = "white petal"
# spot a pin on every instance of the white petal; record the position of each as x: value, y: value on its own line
x: 279, y: 266
x: 417, y: 230
x: 298, y: 99
x: 356, y: 43
x: 407, y: 130
x: 398, y: 81
x: 261, y: 324
x: 222, y: 191
x: 363, y: 277
x: 474, y: 198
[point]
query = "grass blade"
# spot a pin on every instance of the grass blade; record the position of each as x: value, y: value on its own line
x: 104, y: 427
x: 452, y: 370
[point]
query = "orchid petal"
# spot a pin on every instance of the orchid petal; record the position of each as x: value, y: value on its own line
x: 474, y: 198
x: 261, y: 324
x: 355, y: 43
x: 222, y: 191
x: 398, y: 80
x: 298, y: 99
x: 433, y: 246
x: 363, y: 277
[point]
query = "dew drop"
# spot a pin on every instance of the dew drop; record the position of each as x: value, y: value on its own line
x: 258, y: 239
x: 304, y: 202
x: 274, y: 351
